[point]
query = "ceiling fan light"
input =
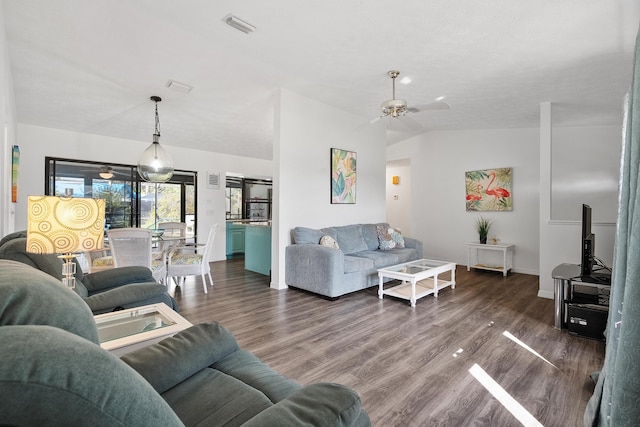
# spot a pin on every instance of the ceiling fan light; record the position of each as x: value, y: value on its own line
x: 394, y: 107
x: 106, y: 175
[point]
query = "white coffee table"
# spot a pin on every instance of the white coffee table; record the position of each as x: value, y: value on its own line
x: 419, y: 279
x: 124, y: 331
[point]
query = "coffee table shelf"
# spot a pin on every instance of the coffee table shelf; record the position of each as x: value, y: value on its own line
x: 123, y: 331
x: 419, y: 279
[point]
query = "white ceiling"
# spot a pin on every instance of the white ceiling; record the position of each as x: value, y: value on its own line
x: 91, y: 65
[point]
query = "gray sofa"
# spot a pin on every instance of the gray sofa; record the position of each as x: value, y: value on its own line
x: 332, y: 272
x: 103, y: 291
x: 54, y: 373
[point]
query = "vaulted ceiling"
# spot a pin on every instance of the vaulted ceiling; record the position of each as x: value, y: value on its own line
x: 91, y: 65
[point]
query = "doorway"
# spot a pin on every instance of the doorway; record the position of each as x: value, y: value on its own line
x: 398, y: 195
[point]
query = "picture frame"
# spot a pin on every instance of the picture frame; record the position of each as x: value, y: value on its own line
x: 489, y: 190
x: 15, y: 165
x: 343, y: 176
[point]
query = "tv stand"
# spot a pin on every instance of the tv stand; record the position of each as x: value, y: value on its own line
x: 586, y: 297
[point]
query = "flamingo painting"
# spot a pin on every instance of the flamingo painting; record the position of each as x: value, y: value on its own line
x: 497, y: 192
x: 488, y: 190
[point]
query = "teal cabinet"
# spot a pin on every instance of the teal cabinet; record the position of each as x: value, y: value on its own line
x: 235, y: 239
x: 257, y: 249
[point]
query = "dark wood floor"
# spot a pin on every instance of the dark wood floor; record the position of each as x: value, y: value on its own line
x: 412, y: 367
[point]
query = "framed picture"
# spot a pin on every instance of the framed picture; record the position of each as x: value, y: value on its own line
x: 489, y: 190
x: 15, y: 164
x: 343, y: 176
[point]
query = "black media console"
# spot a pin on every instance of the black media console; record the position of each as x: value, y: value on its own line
x: 581, y: 303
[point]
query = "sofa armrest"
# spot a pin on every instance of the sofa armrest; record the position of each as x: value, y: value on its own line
x: 415, y: 244
x: 313, y: 267
x: 174, y: 359
x: 124, y: 295
x: 324, y: 404
x: 114, y: 277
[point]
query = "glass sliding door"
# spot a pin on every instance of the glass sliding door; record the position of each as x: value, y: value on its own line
x: 116, y: 184
x: 129, y: 201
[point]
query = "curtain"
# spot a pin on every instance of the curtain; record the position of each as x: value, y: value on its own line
x: 616, y: 399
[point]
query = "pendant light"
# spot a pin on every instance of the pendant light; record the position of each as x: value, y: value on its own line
x: 155, y: 164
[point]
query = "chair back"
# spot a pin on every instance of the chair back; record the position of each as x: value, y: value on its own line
x: 130, y: 246
x: 209, y: 245
x: 173, y: 229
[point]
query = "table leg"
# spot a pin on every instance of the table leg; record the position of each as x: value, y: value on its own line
x: 468, y: 258
x: 380, y: 286
x: 453, y: 278
x: 504, y: 262
x: 435, y: 286
x: 413, y: 292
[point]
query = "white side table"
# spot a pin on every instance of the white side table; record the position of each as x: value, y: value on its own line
x: 123, y: 331
x: 507, y: 250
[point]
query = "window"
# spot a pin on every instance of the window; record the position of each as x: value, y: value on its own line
x: 248, y: 198
x: 129, y: 201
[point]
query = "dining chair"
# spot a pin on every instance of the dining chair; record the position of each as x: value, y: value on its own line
x: 181, y: 264
x: 99, y: 259
x: 175, y: 230
x: 133, y: 247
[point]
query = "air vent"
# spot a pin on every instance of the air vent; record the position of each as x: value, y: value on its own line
x: 213, y: 180
x: 179, y: 87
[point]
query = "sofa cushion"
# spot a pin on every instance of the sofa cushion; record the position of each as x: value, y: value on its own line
x: 31, y: 297
x: 307, y: 236
x: 321, y: 404
x: 52, y: 377
x: 370, y: 235
x: 185, y: 353
x: 330, y: 231
x: 404, y: 254
x: 246, y: 367
x: 350, y: 238
x: 356, y: 263
x: 211, y: 397
x: 379, y: 258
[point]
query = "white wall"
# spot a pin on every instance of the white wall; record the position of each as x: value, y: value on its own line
x: 439, y: 161
x: 305, y: 130
x: 399, y: 213
x: 38, y: 142
x: 567, y: 156
x: 7, y: 134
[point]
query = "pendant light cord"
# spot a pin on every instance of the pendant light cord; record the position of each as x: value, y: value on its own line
x: 157, y: 120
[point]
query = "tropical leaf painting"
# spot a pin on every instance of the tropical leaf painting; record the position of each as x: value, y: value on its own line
x: 489, y: 190
x: 343, y: 176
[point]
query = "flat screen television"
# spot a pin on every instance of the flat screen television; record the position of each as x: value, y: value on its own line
x: 588, y: 243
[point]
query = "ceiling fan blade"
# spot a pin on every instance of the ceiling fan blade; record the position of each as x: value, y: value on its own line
x: 375, y: 119
x: 434, y: 106
x: 403, y: 124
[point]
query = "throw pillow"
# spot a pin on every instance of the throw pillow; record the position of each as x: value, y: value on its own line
x: 329, y: 242
x: 389, y: 238
x: 384, y: 238
x: 397, y: 237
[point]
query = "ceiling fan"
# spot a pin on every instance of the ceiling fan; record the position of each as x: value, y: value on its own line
x: 105, y: 172
x: 397, y: 108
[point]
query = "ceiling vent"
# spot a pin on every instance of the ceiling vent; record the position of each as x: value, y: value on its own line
x: 238, y: 24
x: 179, y: 87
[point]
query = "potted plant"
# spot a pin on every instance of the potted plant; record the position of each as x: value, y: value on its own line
x: 482, y: 226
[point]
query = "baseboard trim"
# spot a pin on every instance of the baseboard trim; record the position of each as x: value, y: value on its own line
x: 545, y: 294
